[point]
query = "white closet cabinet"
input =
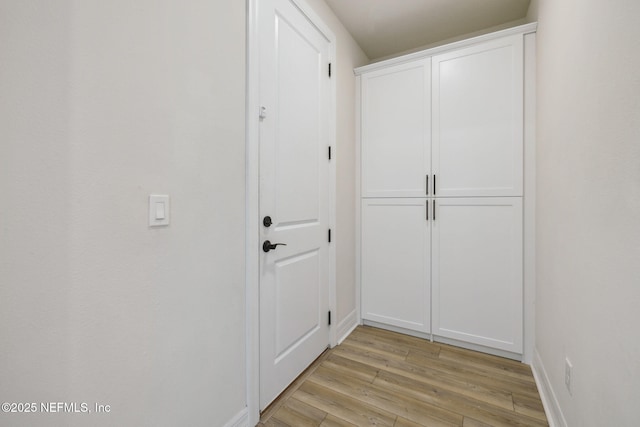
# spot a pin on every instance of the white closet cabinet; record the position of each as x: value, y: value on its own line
x: 441, y: 187
x: 396, y: 249
x: 478, y: 119
x: 396, y: 118
x: 477, y: 271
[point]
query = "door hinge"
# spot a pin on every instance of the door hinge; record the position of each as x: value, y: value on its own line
x: 329, y: 317
x: 329, y: 152
x: 329, y: 69
x: 329, y: 236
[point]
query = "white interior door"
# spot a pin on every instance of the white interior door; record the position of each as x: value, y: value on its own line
x: 478, y: 120
x: 477, y: 271
x: 396, y: 260
x: 294, y: 178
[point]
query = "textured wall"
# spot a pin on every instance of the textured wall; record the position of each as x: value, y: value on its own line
x: 102, y: 104
x: 588, y: 228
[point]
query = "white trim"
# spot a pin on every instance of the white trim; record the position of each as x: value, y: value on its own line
x: 443, y: 340
x: 241, y: 419
x: 529, y: 207
x: 479, y: 347
x: 317, y: 22
x: 398, y: 329
x: 252, y: 218
x: 521, y: 29
x: 549, y: 401
x: 252, y: 185
x: 346, y: 326
x: 358, y: 232
x: 333, y: 191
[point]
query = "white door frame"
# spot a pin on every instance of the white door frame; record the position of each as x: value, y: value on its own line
x: 252, y: 206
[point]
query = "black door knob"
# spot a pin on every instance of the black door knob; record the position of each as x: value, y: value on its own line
x: 267, y: 221
x: 267, y: 245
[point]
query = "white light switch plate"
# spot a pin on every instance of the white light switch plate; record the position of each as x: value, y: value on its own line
x: 158, y: 210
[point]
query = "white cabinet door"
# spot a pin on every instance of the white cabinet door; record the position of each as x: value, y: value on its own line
x: 477, y: 271
x: 396, y: 132
x: 478, y: 119
x: 395, y: 263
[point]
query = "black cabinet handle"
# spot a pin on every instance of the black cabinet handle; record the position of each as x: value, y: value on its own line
x: 434, y: 184
x: 427, y: 210
x: 427, y: 186
x: 267, y: 245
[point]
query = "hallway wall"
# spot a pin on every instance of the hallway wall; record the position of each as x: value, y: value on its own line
x: 101, y: 104
x: 588, y: 206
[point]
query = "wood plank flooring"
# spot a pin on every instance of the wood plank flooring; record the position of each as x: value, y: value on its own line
x: 381, y: 378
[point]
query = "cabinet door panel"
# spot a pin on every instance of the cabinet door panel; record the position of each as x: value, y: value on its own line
x: 477, y: 271
x: 478, y: 119
x: 395, y: 263
x: 396, y: 132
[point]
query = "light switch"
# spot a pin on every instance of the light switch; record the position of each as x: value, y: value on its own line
x: 158, y: 210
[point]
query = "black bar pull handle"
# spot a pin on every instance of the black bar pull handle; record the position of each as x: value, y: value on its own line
x: 427, y: 186
x: 427, y: 210
x: 434, y: 184
x: 434, y: 210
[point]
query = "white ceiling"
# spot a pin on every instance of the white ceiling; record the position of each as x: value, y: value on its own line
x: 387, y: 27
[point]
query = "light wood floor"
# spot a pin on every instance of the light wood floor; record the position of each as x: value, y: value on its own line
x: 380, y: 378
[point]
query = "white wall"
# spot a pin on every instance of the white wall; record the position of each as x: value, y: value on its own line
x: 349, y: 56
x: 460, y: 37
x: 101, y: 104
x: 588, y: 228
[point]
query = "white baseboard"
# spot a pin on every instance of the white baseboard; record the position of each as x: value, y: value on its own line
x: 241, y: 419
x: 348, y: 324
x: 549, y: 401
